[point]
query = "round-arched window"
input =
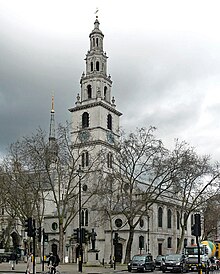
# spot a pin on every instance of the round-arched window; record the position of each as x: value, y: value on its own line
x: 118, y: 222
x: 141, y: 222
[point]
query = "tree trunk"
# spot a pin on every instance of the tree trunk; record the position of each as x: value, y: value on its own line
x: 61, y: 234
x: 179, y: 247
x: 129, y: 245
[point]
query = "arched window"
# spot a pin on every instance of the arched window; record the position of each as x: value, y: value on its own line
x: 105, y: 92
x: 85, y: 120
x: 177, y: 242
x: 169, y: 219
x: 192, y: 221
x: 85, y: 159
x: 141, y: 242
x: 169, y: 242
x: 185, y: 221
x: 93, y: 40
x: 185, y: 242
x: 89, y: 91
x: 97, y: 65
x: 109, y: 160
x: 84, y: 217
x: 178, y: 220
x: 160, y: 217
x: 141, y: 222
x: 97, y: 42
x: 91, y: 66
x: 109, y: 122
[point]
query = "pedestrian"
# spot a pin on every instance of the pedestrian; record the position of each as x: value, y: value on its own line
x: 13, y: 260
x: 53, y: 262
x: 29, y: 263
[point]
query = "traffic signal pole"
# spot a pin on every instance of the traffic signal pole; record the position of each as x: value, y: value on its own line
x: 80, y: 224
x: 199, y: 253
x: 43, y: 251
x: 34, y: 244
x: 196, y: 231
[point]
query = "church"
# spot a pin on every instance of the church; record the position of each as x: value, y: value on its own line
x: 95, y: 125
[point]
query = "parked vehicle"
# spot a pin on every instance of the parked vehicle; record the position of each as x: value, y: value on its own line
x: 174, y: 263
x: 143, y: 262
x: 158, y: 261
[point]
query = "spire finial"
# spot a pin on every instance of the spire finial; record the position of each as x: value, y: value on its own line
x: 52, y: 121
x: 96, y: 13
x: 52, y: 107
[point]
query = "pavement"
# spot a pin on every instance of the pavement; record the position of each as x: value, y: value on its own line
x: 69, y: 268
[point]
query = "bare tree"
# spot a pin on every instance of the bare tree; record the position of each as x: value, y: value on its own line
x: 211, y: 214
x: 107, y: 204
x: 144, y: 170
x: 196, y: 181
x: 43, y: 173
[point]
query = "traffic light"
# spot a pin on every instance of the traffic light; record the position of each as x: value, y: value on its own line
x: 29, y: 227
x: 196, y: 228
x: 45, y: 237
x: 39, y: 234
x: 115, y: 240
x: 76, y: 235
x: 193, y: 230
x: 85, y: 235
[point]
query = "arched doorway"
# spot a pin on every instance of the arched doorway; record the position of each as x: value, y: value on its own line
x: 54, y: 248
x: 118, y: 253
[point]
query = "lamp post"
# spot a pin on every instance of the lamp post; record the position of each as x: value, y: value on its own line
x: 79, y: 171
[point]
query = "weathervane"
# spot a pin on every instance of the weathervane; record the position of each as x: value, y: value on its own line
x: 96, y: 12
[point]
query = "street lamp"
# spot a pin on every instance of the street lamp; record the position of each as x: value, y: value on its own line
x: 80, y: 171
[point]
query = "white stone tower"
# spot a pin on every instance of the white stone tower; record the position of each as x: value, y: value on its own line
x: 95, y: 129
x: 95, y: 120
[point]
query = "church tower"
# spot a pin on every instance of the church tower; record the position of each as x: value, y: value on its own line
x: 95, y: 119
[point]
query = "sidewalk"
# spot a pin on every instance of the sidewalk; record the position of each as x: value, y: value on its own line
x: 64, y: 268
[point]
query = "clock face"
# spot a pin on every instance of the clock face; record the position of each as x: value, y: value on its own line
x: 110, y: 137
x: 84, y: 135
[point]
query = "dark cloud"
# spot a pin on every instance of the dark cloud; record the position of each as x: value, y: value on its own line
x: 162, y: 67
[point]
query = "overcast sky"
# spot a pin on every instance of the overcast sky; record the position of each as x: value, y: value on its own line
x: 164, y: 59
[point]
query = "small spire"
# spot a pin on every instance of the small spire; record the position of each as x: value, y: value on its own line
x: 52, y: 122
x: 52, y: 108
x: 96, y: 20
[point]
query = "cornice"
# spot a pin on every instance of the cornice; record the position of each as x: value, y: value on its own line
x: 95, y: 104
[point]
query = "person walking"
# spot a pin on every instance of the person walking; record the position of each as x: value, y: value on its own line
x: 13, y: 260
x: 29, y: 264
x: 53, y: 262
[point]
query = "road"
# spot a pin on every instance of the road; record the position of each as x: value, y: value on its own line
x: 5, y: 268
